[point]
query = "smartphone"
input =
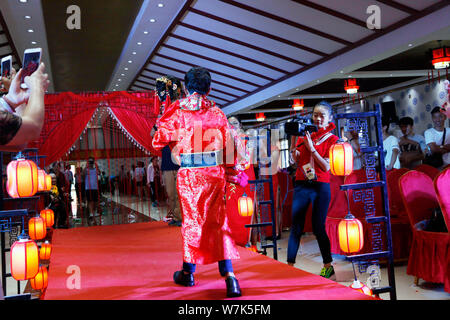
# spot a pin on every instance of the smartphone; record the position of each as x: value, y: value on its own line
x: 31, y: 61
x: 6, y: 66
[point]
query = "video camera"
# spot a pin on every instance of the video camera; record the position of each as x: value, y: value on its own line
x: 299, y: 126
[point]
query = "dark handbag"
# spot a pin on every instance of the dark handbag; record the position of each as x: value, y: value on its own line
x: 435, y: 159
x: 436, y: 222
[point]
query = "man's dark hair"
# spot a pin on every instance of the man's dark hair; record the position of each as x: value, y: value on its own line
x: 435, y: 110
x: 197, y: 79
x: 405, y: 121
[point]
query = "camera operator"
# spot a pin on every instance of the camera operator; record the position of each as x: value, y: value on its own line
x: 17, y: 128
x: 312, y: 178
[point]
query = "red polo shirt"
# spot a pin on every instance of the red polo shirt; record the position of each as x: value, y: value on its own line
x: 305, y: 157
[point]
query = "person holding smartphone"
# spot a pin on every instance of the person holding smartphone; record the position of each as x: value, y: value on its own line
x: 18, y: 128
x: 312, y: 185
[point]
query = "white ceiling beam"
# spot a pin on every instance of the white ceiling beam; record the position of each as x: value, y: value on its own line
x: 383, y: 74
x: 418, y: 32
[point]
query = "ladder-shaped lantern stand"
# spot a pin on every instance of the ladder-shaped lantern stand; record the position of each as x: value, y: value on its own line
x: 263, y: 203
x: 375, y: 184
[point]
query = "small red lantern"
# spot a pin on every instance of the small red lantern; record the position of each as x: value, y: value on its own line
x: 37, y: 229
x: 341, y: 159
x: 245, y: 206
x: 41, y: 180
x: 22, y: 178
x: 49, y: 217
x: 45, y: 251
x: 351, y: 235
x: 298, y: 104
x: 24, y: 258
x: 351, y: 86
x: 40, y: 281
x: 441, y: 58
x: 48, y: 182
x: 260, y: 116
x: 361, y: 287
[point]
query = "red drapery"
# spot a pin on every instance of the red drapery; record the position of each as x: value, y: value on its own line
x: 67, y: 114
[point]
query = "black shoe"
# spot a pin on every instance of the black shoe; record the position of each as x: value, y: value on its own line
x: 233, y: 289
x: 183, y: 279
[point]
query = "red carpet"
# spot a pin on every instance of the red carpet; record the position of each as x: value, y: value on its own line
x: 137, y: 261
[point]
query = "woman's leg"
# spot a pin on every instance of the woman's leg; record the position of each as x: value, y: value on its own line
x: 226, y: 268
x: 188, y: 267
x: 319, y: 216
x: 300, y: 205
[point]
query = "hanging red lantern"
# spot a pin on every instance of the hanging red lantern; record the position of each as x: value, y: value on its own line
x: 37, y: 229
x: 45, y: 251
x: 48, y: 182
x: 22, y: 178
x: 41, y: 180
x: 245, y: 206
x: 298, y: 104
x: 24, y: 258
x: 341, y: 159
x: 351, y: 234
x: 40, y: 281
x: 260, y: 116
x: 361, y: 287
x: 351, y: 86
x: 441, y: 58
x: 49, y: 217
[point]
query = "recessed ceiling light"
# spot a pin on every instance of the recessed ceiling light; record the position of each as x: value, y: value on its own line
x: 129, y: 61
x: 139, y: 43
x: 318, y: 81
x: 134, y: 52
x: 23, y: 1
x: 33, y: 42
x: 117, y: 85
x: 30, y: 30
x: 160, y: 5
x: 410, y: 45
x: 119, y: 79
x: 152, y: 20
x: 342, y: 71
x: 125, y: 68
x: 27, y: 17
x: 123, y: 74
x: 145, y: 32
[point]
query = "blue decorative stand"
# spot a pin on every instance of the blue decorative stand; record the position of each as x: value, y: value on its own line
x: 371, y: 173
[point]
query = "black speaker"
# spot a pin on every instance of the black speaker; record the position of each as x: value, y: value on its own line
x: 389, y: 112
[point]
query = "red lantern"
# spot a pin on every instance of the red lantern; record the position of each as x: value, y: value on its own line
x: 49, y: 217
x: 441, y: 58
x: 37, y: 229
x: 260, y: 117
x: 22, y: 178
x: 245, y: 206
x: 351, y: 86
x: 41, y: 180
x: 40, y: 281
x: 361, y: 287
x: 45, y: 251
x: 351, y: 235
x: 24, y: 258
x: 48, y: 182
x: 298, y: 104
x: 341, y: 159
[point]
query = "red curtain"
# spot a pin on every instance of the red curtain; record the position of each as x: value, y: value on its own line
x: 136, y: 126
x: 67, y: 114
x: 64, y: 135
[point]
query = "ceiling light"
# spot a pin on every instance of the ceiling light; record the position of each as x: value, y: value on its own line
x: 123, y: 74
x: 129, y: 61
x: 117, y: 85
x: 33, y: 42
x: 139, y: 43
x: 160, y: 5
x: 152, y: 20
x: 125, y: 68
x: 146, y: 32
x: 119, y: 79
x: 27, y: 17
x: 30, y: 30
x: 23, y: 1
x: 410, y: 45
x: 134, y: 52
x: 441, y: 58
x: 351, y: 86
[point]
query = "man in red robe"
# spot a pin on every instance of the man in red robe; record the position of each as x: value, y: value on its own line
x: 198, y: 134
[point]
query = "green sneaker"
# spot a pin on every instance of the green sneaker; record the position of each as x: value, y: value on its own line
x: 327, y: 272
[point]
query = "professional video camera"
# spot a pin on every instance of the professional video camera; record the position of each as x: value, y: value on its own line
x: 299, y: 126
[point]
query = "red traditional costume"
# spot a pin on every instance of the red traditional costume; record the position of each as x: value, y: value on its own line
x: 194, y: 127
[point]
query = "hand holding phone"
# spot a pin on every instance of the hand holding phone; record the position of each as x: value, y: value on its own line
x: 31, y: 61
x: 6, y: 66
